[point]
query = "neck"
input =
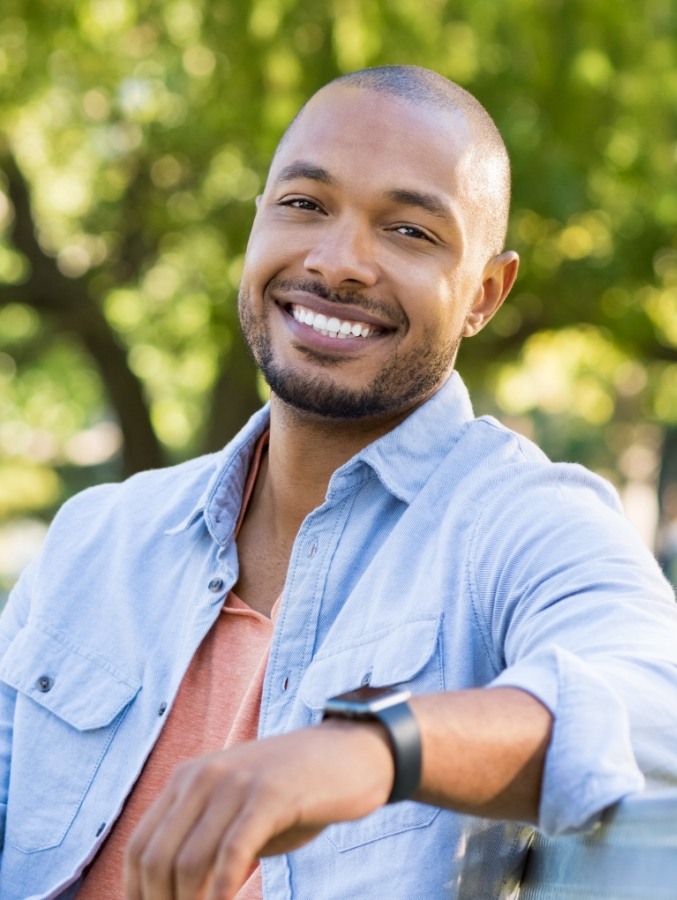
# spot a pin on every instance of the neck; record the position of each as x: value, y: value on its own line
x: 304, y: 452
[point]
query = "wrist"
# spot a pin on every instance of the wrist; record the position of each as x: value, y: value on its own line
x: 368, y: 742
x: 388, y: 708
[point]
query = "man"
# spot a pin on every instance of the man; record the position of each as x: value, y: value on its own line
x: 391, y: 537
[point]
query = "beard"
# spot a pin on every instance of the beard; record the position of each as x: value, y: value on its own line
x: 405, y: 381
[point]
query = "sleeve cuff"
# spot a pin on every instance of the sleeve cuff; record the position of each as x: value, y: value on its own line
x: 590, y: 763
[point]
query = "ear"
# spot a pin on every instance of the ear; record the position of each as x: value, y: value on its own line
x: 497, y: 279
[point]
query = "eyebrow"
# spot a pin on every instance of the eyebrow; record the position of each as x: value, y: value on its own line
x: 305, y: 170
x: 428, y: 202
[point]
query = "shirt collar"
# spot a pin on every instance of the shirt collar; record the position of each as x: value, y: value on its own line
x: 220, y: 501
x: 403, y: 459
x: 406, y: 457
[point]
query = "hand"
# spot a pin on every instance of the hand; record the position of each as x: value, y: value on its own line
x: 220, y: 812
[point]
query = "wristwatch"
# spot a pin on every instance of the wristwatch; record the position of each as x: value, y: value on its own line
x: 387, y: 705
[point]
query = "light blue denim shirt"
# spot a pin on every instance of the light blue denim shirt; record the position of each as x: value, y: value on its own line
x: 448, y: 554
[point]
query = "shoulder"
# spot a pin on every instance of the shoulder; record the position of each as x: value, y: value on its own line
x: 161, y: 495
x: 165, y: 496
x: 505, y: 470
x: 530, y: 514
x: 102, y: 526
x: 540, y: 522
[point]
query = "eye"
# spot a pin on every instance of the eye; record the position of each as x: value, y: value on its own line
x: 300, y: 203
x: 413, y: 232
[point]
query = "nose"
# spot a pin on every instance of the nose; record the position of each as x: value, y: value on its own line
x: 343, y: 252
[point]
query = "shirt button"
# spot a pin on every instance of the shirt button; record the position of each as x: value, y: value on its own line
x: 44, y: 683
x: 312, y: 550
x: 215, y: 585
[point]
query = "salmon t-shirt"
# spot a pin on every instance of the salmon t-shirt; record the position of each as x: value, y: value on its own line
x: 217, y: 706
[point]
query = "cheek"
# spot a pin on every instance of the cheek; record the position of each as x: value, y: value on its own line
x: 256, y: 253
x: 455, y: 300
x: 268, y: 254
x: 440, y: 306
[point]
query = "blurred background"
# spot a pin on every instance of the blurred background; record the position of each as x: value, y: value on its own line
x: 135, y: 135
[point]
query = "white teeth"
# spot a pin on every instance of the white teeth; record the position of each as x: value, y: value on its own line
x: 332, y: 327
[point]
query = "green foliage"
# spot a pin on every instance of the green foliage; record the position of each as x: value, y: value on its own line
x: 143, y: 129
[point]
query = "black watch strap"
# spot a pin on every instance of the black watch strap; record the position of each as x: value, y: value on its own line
x: 405, y: 742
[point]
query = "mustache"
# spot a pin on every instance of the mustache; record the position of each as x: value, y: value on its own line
x: 347, y: 297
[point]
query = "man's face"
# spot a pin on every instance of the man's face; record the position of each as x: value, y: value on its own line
x: 362, y: 263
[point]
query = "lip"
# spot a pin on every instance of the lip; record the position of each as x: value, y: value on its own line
x: 312, y: 339
x: 330, y: 308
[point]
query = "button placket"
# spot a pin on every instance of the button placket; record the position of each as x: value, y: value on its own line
x: 305, y: 565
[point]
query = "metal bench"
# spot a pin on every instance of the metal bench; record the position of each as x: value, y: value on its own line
x: 630, y: 855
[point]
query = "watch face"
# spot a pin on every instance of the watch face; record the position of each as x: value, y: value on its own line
x: 366, y: 699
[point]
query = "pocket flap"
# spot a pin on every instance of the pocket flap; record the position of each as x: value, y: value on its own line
x: 382, y: 658
x: 84, y: 691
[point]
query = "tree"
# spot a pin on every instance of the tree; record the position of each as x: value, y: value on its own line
x: 136, y: 134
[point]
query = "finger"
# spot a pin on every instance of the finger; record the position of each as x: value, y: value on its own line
x: 156, y: 843
x: 238, y: 852
x: 254, y: 833
x: 195, y: 859
x: 140, y: 839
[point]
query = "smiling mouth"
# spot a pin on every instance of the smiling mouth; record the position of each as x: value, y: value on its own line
x: 332, y: 326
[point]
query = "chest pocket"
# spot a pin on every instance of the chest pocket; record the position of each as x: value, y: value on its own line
x: 68, y: 708
x: 408, y: 655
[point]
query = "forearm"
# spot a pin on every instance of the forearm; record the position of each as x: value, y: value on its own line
x: 483, y: 751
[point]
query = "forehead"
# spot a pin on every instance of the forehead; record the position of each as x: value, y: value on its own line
x: 375, y: 137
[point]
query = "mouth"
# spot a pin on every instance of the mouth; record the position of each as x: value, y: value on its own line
x: 332, y: 326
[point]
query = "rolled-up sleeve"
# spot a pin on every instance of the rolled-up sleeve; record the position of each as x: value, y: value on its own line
x: 590, y: 762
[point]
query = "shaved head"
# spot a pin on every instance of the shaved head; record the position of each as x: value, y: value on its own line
x: 488, y: 163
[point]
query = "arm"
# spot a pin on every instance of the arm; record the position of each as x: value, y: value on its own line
x: 7, y: 699
x: 578, y: 614
x: 483, y: 752
x: 13, y: 618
